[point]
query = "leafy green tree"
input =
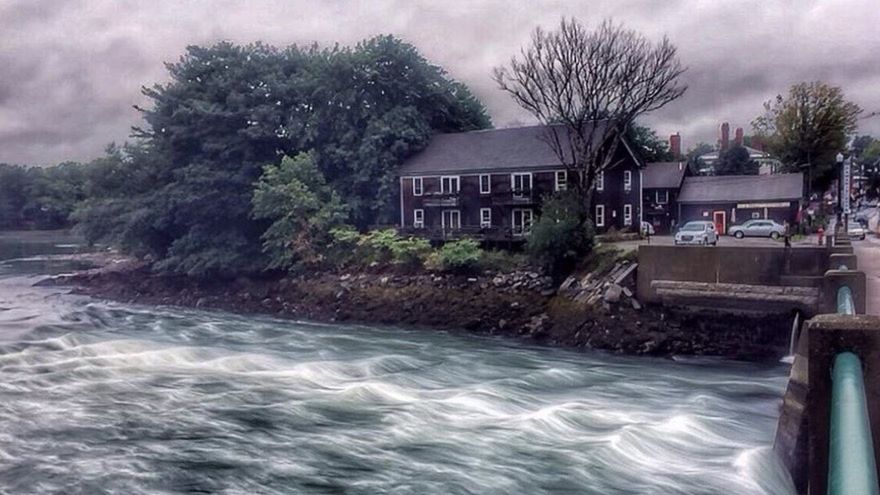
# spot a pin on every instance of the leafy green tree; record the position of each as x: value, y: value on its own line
x: 736, y: 161
x: 558, y: 237
x: 13, y: 196
x: 695, y: 163
x: 650, y: 147
x: 807, y: 128
x: 461, y: 256
x: 303, y: 209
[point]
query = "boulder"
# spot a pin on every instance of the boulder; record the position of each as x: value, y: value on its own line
x: 569, y: 283
x: 627, y: 292
x: 613, y: 293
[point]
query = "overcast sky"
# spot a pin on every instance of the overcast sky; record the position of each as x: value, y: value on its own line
x: 70, y: 70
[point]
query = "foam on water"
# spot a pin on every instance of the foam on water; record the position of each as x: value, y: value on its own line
x: 99, y: 397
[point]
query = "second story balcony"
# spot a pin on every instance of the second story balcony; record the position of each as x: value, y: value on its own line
x: 513, y: 198
x: 441, y: 200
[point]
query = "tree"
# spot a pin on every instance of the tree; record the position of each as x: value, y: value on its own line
x: 693, y: 156
x: 588, y: 88
x: 303, y: 210
x: 807, y: 128
x: 736, y: 161
x: 649, y: 146
x: 559, y: 237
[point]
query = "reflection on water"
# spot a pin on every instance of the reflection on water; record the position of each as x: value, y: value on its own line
x: 100, y: 397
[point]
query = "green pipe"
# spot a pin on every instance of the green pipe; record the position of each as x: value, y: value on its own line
x: 845, y: 305
x: 852, y: 469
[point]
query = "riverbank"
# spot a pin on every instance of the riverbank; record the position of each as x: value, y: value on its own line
x: 520, y: 304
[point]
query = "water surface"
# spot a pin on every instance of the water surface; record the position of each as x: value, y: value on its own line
x: 97, y: 397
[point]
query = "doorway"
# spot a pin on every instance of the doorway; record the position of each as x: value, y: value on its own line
x: 720, y: 220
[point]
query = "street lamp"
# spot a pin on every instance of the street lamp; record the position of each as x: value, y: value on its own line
x: 839, y: 186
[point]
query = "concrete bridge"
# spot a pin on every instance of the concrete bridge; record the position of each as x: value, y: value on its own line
x: 832, y: 402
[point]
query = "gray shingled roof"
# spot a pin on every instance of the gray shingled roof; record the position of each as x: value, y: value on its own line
x: 488, y: 150
x: 667, y: 175
x: 742, y: 188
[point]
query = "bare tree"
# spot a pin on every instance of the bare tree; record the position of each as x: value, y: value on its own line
x: 588, y: 87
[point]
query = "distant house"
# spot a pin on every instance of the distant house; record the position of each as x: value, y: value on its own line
x: 731, y: 200
x: 661, y: 183
x: 489, y: 185
x: 767, y: 164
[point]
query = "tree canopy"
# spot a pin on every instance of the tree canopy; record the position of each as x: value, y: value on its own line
x: 735, y: 160
x: 231, y: 112
x: 806, y: 129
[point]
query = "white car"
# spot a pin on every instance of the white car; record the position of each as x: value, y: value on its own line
x: 698, y: 232
x: 856, y: 231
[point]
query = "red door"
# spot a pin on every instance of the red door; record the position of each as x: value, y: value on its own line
x: 720, y: 219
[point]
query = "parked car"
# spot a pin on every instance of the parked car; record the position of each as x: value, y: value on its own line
x: 757, y: 228
x: 699, y: 232
x: 856, y: 231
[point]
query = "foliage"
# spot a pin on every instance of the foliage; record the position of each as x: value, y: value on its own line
x: 560, y: 237
x: 735, y: 160
x: 695, y: 163
x: 649, y: 146
x: 386, y: 246
x: 40, y: 198
x: 229, y: 112
x: 461, y: 256
x: 807, y: 128
x: 302, y: 208
x: 574, y: 78
x: 502, y: 261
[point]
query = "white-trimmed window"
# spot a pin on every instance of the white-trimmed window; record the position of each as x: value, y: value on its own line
x: 485, y: 184
x: 561, y: 180
x: 600, y: 181
x: 450, y: 184
x: 451, y: 220
x: 600, y: 215
x: 418, y: 186
x: 485, y: 217
x: 627, y: 180
x: 756, y: 215
x: 521, y: 184
x: 521, y: 221
x: 419, y: 218
x: 661, y: 197
x: 627, y: 215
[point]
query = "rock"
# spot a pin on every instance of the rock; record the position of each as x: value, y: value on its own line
x: 374, y: 264
x: 340, y: 294
x: 201, y: 302
x: 514, y: 304
x: 548, y: 292
x: 612, y: 293
x: 345, y: 277
x: 627, y: 292
x: 537, y: 324
x: 498, y: 281
x: 533, y: 275
x: 502, y: 323
x: 635, y: 304
x: 472, y: 279
x: 383, y: 281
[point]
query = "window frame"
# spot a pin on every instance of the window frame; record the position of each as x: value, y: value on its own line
x: 443, y: 219
x: 600, y: 181
x: 450, y: 178
x: 560, y: 185
x: 524, y: 229
x: 665, y: 195
x: 488, y: 189
x: 513, y: 190
x: 627, y: 180
x: 485, y: 222
x: 627, y: 215
x: 600, y: 207
x: 417, y: 222
x: 421, y: 182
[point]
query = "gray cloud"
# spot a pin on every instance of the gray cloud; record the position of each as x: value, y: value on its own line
x: 70, y: 70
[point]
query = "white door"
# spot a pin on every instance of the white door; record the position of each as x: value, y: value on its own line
x: 451, y: 219
x: 522, y: 222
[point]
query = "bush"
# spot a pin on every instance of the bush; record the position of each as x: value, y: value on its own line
x: 502, y: 261
x: 561, y: 235
x: 386, y: 246
x: 460, y: 256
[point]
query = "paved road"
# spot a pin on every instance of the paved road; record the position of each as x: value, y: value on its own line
x: 725, y: 240
x: 868, y: 252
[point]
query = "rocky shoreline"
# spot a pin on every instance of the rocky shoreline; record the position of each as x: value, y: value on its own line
x: 592, y: 312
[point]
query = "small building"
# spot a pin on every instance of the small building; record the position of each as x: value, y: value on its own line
x: 489, y: 185
x: 733, y: 199
x: 661, y: 183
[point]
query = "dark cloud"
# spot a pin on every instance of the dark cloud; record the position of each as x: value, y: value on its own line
x: 70, y: 70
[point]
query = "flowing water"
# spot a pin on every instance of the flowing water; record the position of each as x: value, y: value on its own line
x: 98, y: 397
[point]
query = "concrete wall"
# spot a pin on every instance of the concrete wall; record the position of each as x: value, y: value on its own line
x: 728, y: 265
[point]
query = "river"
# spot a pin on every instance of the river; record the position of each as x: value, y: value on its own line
x: 101, y: 397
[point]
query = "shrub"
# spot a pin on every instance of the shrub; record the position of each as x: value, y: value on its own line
x: 502, y: 261
x: 458, y: 256
x: 561, y: 235
x: 386, y: 246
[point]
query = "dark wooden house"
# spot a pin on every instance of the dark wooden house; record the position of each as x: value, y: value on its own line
x: 489, y: 185
x: 731, y: 200
x: 661, y: 183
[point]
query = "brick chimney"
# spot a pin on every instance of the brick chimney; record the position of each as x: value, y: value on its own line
x: 675, y: 146
x: 725, y: 136
x: 738, y: 137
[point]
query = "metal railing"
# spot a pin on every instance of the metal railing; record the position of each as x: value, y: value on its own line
x: 852, y: 468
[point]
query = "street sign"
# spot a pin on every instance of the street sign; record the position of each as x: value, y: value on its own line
x: 846, y: 188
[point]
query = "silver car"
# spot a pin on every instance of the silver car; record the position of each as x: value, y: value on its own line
x: 701, y: 233
x: 856, y: 231
x: 757, y: 228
